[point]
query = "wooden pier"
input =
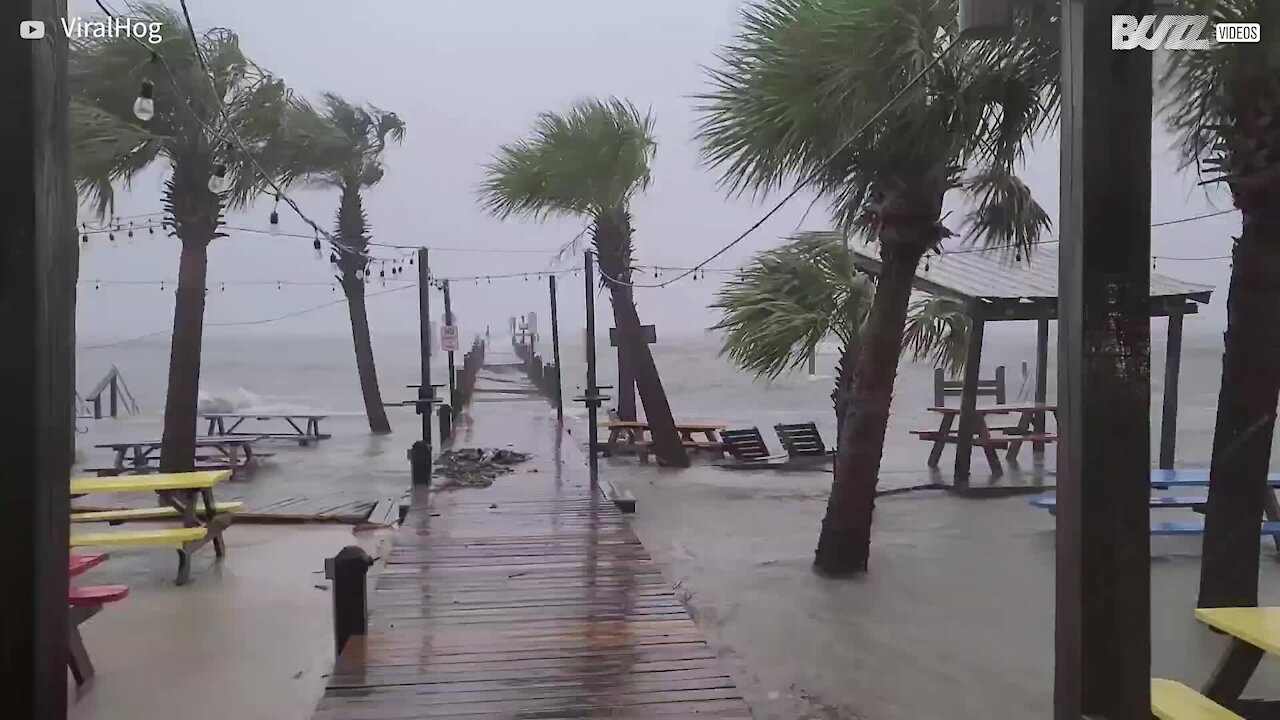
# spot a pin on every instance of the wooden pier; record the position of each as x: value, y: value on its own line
x: 531, y: 598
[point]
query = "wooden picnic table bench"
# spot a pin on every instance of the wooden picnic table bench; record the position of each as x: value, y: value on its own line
x: 1254, y: 632
x: 305, y: 434
x: 633, y: 436
x: 1012, y: 437
x: 181, y: 492
x: 84, y: 602
x: 137, y: 455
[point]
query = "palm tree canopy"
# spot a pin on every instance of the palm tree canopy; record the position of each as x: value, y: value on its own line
x: 589, y: 161
x: 110, y: 144
x: 339, y: 146
x: 1224, y: 104
x: 786, y: 301
x: 803, y: 76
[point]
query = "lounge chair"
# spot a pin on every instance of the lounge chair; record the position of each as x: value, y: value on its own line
x: 802, y: 441
x: 749, y: 451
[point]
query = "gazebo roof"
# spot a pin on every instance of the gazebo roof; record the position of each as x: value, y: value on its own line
x: 1009, y: 289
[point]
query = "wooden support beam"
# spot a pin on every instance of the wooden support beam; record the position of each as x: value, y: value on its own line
x: 1042, y: 379
x: 969, y: 398
x: 38, y: 267
x: 1102, y: 643
x: 1169, y: 413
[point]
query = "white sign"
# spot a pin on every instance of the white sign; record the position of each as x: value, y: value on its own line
x: 449, y: 338
x: 1177, y: 32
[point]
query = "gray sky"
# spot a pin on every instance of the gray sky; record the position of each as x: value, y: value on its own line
x: 467, y: 76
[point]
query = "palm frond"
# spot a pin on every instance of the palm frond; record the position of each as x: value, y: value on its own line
x: 587, y: 161
x: 106, y: 150
x: 1006, y: 214
x: 938, y: 330
x: 782, y: 305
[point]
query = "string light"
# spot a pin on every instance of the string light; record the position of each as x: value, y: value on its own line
x: 144, y: 108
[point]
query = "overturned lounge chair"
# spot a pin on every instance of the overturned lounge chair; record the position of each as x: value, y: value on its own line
x: 805, y: 450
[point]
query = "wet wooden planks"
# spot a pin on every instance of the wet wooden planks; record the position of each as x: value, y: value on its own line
x: 528, y: 599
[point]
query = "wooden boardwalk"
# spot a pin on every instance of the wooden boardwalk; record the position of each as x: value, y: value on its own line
x: 528, y: 599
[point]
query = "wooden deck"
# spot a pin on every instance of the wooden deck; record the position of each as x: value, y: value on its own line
x: 531, y: 598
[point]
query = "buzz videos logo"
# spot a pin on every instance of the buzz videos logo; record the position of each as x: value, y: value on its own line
x: 1177, y: 32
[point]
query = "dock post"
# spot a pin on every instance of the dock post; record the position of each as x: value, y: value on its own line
x: 1102, y: 608
x: 593, y: 401
x: 420, y: 453
x: 349, y: 571
x: 555, y: 348
x: 448, y: 320
x: 38, y: 205
x: 1169, y: 411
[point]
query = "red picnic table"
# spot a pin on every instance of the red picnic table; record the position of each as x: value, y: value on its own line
x: 85, y: 602
x: 1011, y: 437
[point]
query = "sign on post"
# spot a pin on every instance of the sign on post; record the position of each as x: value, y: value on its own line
x: 449, y: 338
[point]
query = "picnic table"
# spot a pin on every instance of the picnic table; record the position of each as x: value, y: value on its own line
x: 1254, y: 632
x: 633, y: 435
x: 182, y: 495
x: 304, y: 428
x: 84, y: 602
x: 1012, y: 437
x: 137, y: 455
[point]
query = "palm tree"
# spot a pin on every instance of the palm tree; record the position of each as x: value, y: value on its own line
x: 786, y: 301
x: 589, y: 162
x: 342, y: 148
x: 1225, y: 106
x: 200, y: 118
x: 796, y: 89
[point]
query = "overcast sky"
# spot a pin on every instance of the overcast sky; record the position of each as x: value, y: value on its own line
x: 468, y: 75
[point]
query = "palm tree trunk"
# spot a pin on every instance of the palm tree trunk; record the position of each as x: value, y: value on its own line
x: 1246, y: 419
x: 195, y: 214
x: 352, y: 229
x: 178, y: 442
x: 373, y: 407
x: 613, y: 244
x: 845, y: 541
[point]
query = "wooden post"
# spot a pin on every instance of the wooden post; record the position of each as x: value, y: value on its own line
x: 1169, y: 413
x: 593, y: 431
x: 349, y: 572
x: 555, y: 348
x: 37, y: 372
x: 1042, y: 381
x: 420, y: 452
x: 448, y: 320
x: 1102, y: 642
x: 969, y: 398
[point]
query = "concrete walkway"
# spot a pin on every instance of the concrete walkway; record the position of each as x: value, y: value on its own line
x: 529, y: 598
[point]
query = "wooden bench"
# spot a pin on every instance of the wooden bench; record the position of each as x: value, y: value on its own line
x: 801, y: 440
x: 84, y: 602
x: 1050, y: 502
x: 1171, y: 700
x: 123, y: 515
x: 745, y: 444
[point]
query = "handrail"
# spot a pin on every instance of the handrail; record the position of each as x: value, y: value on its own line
x: 117, y: 393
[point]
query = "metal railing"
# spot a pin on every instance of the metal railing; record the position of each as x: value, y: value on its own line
x: 117, y: 397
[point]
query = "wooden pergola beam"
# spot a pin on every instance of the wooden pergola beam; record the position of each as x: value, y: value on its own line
x: 38, y: 266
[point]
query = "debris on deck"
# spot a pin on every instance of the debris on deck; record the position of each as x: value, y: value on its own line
x: 475, y: 467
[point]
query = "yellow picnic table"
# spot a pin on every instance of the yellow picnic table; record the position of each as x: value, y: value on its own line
x: 1254, y: 632
x: 632, y: 435
x: 181, y: 494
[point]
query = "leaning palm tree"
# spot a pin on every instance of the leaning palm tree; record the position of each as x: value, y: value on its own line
x: 785, y: 302
x: 1225, y: 107
x: 195, y: 124
x: 884, y: 111
x: 589, y: 163
x: 341, y: 147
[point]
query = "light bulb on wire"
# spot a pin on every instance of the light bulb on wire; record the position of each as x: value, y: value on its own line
x: 144, y: 108
x: 218, y: 182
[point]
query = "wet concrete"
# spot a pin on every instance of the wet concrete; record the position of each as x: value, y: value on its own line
x: 250, y: 638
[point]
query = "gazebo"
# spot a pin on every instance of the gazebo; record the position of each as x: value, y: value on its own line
x: 994, y: 285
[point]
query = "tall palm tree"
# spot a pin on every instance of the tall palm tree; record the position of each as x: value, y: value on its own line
x: 799, y: 83
x: 199, y: 119
x: 1225, y: 106
x: 589, y: 163
x: 341, y: 147
x: 786, y: 301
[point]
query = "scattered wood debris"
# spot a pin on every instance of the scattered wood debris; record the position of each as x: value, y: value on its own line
x: 474, y: 467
